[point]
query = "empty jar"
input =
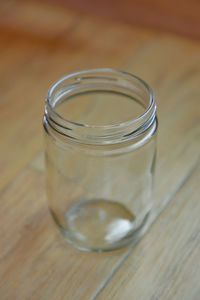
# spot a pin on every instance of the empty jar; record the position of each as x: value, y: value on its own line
x: 100, y: 147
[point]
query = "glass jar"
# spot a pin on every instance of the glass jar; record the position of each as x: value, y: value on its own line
x: 100, y: 127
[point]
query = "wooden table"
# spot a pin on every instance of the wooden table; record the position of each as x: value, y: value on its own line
x: 40, y: 42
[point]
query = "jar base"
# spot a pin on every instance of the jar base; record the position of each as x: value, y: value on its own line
x: 99, y: 225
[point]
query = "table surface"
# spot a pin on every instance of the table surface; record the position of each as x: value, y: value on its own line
x: 40, y: 42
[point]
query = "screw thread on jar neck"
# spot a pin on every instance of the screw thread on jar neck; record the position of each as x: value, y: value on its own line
x: 98, y: 80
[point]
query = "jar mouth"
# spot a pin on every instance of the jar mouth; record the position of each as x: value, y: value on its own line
x: 97, y: 79
x: 77, y: 76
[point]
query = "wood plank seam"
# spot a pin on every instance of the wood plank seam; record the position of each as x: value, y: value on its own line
x: 154, y: 218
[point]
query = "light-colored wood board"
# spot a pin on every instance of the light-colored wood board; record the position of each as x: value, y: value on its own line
x: 36, y: 262
x: 165, y: 265
x: 33, y: 248
x: 178, y: 126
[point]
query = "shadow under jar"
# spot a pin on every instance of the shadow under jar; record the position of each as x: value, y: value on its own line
x: 100, y: 147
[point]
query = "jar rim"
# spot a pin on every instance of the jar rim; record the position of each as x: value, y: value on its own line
x: 110, y: 80
x: 100, y: 70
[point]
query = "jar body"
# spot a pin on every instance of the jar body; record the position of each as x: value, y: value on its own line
x: 100, y: 195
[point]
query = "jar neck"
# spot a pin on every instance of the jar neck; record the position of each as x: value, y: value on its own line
x: 100, y: 80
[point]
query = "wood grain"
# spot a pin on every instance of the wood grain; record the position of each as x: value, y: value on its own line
x: 165, y: 265
x: 36, y: 263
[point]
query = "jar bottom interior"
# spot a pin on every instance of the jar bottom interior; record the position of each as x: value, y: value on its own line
x: 100, y: 225
x: 99, y: 202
